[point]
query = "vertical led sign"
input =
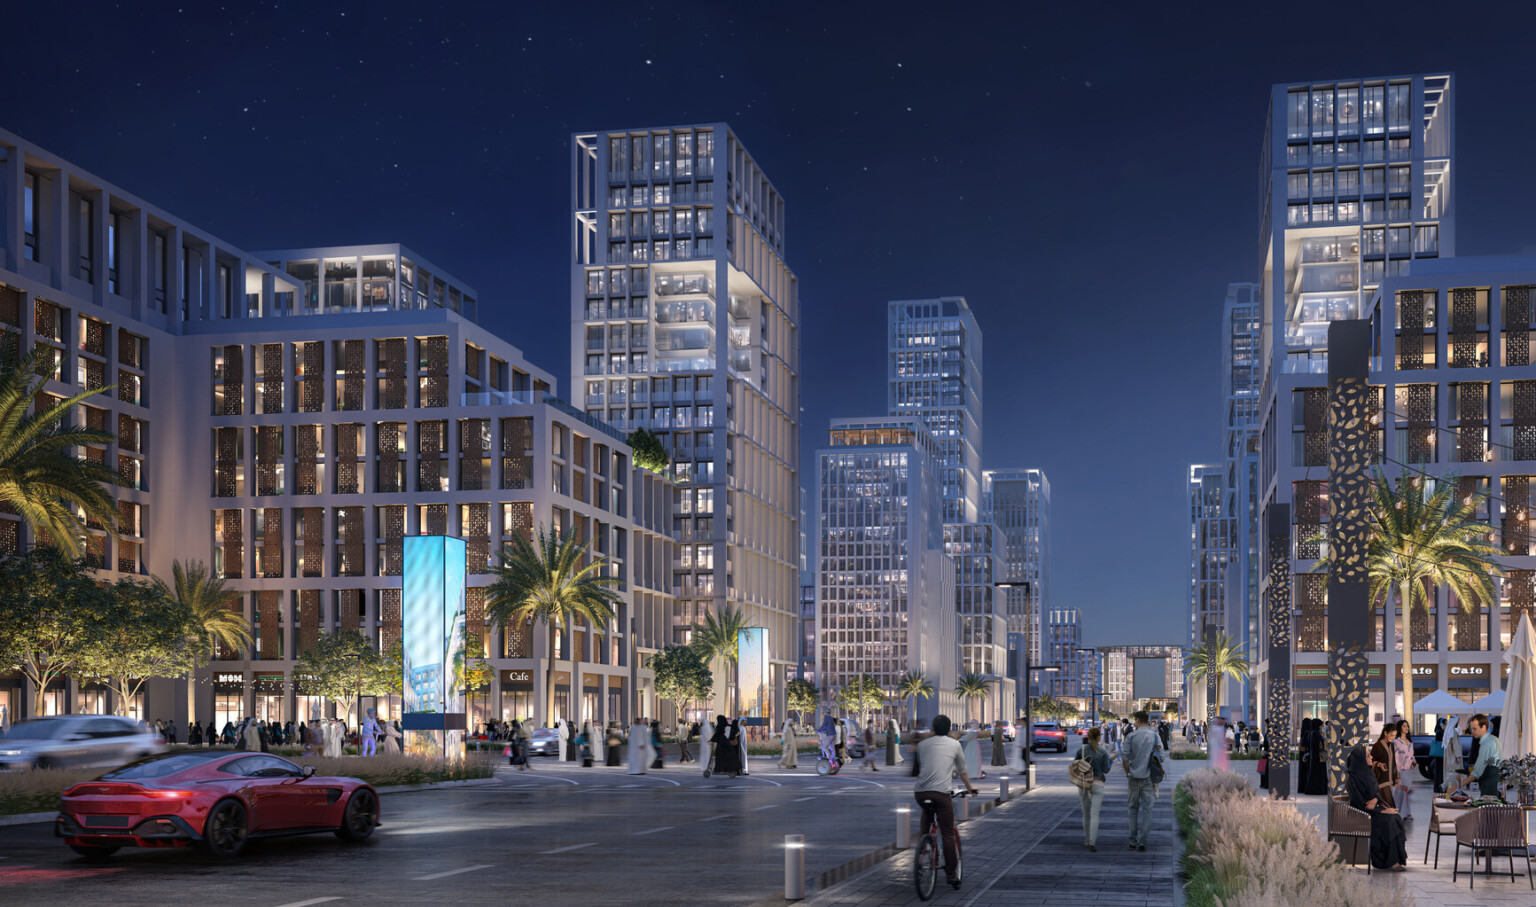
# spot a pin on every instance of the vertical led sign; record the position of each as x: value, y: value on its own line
x: 752, y: 672
x: 433, y: 621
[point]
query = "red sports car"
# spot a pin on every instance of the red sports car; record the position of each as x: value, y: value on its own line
x: 215, y: 801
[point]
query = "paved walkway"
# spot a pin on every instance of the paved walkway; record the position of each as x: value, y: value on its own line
x: 1030, y: 851
x: 1429, y: 885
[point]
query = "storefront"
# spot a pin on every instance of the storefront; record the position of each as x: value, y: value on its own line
x: 228, y: 698
x: 307, y: 707
x: 615, y: 700
x: 1426, y: 680
x: 1309, y: 692
x: 12, y: 690
x: 92, y: 697
x: 1468, y: 682
x: 54, y: 698
x: 562, y: 696
x: 269, y: 698
x: 591, y: 692
x: 516, y: 694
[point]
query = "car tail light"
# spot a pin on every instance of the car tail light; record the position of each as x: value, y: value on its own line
x: 96, y: 788
x: 168, y: 794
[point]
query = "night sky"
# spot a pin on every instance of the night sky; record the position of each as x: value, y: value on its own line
x: 1088, y: 179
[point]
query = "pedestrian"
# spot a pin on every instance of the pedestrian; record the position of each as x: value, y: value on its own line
x: 1389, y: 839
x: 210, y: 735
x: 515, y: 749
x: 1384, y: 763
x: 584, y: 744
x: 525, y: 739
x: 1315, y: 782
x: 1450, y: 761
x: 869, y: 750
x: 170, y: 732
x: 827, y: 737
x: 656, y: 751
x: 999, y: 757
x: 1407, y: 767
x: 194, y: 734
x: 1485, y: 768
x: 972, y: 753
x: 723, y: 744
x: 638, y: 757
x: 304, y: 737
x: 1142, y: 757
x: 842, y: 742
x: 741, y: 746
x: 1162, y: 734
x: 1092, y: 797
x: 563, y: 731
x: 939, y: 758
x: 789, y: 752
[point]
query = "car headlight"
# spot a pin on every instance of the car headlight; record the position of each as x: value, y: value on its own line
x: 10, y: 752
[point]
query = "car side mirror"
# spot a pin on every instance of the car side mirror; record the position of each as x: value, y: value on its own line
x: 76, y: 738
x: 309, y: 771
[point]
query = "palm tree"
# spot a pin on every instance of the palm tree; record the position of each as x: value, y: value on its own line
x: 1418, y: 543
x: 551, y: 579
x: 715, y: 637
x: 40, y: 478
x: 1217, y: 659
x: 219, y: 624
x: 911, y: 685
x: 972, y: 686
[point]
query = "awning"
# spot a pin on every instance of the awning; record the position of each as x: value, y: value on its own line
x: 1493, y: 702
x: 1442, y: 703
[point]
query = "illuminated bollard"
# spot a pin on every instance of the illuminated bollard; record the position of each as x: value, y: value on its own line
x: 1029, y: 782
x: 1002, y: 789
x: 964, y: 812
x: 794, y: 867
x: 903, y: 827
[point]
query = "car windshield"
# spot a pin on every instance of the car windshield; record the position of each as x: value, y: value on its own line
x: 33, y: 730
x: 159, y: 766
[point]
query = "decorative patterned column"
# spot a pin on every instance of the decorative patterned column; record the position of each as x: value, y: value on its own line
x: 1277, y: 603
x: 1349, y: 477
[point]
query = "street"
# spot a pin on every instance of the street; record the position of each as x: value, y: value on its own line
x: 551, y: 836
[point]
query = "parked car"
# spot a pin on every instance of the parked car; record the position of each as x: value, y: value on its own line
x: 74, y: 741
x: 545, y: 742
x: 214, y: 800
x: 1048, y: 733
x: 1421, y: 743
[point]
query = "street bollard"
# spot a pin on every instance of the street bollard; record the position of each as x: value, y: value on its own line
x: 794, y: 867
x: 1029, y: 783
x: 1002, y: 789
x: 903, y: 827
x: 964, y: 812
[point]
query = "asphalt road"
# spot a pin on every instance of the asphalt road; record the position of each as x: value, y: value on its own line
x: 548, y: 836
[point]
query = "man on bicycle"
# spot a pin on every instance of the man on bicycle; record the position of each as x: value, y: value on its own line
x: 940, y: 757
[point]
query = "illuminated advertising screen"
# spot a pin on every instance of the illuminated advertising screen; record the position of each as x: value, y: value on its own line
x: 1150, y: 678
x: 752, y: 671
x: 432, y: 617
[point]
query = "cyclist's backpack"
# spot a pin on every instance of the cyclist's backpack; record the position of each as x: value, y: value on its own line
x: 1081, y: 770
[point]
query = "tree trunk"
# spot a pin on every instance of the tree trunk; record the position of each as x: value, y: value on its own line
x: 549, y: 684
x: 1406, y: 622
x: 578, y: 689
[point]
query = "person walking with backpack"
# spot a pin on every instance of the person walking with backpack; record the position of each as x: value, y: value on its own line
x: 1089, y: 772
x: 1142, y: 755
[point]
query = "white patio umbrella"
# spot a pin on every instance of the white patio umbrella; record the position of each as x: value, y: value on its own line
x: 1517, y: 733
x: 1493, y: 702
x: 1442, y: 703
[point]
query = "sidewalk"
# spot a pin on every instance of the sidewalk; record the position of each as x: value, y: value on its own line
x: 1030, y: 851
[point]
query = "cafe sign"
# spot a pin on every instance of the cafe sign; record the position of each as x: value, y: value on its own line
x: 229, y: 680
x: 517, y: 679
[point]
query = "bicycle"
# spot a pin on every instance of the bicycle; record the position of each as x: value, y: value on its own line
x: 927, y: 858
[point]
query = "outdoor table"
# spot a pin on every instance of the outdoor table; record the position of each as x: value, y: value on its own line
x: 1451, y: 809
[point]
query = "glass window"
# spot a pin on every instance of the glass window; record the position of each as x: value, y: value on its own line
x: 1426, y: 239
x: 684, y: 168
x: 1322, y: 183
x: 1348, y: 111
x: 618, y: 155
x: 1296, y: 114
x: 1322, y: 111
x: 637, y: 166
x: 1373, y: 109
x: 1348, y: 182
x: 1399, y: 102
x: 1375, y: 150
x: 1296, y: 185
x: 661, y: 164
x: 661, y: 194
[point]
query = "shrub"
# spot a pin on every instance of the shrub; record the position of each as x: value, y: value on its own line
x: 387, y: 770
x: 37, y: 790
x: 1190, y: 754
x: 1242, y: 850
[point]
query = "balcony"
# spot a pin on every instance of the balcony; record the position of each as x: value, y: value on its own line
x: 696, y: 284
x: 695, y: 312
x: 495, y: 398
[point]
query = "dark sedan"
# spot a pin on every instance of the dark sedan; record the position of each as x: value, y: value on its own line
x: 1421, y: 744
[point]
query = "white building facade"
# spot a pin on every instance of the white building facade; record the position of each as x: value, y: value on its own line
x: 685, y: 321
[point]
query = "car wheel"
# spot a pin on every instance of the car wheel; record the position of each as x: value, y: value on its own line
x: 360, y: 817
x: 93, y: 853
x: 226, y: 830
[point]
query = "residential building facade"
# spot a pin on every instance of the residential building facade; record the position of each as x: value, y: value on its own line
x: 1063, y: 644
x: 1242, y: 377
x: 685, y: 321
x: 287, y: 418
x: 885, y: 589
x: 1018, y: 501
x: 1141, y: 676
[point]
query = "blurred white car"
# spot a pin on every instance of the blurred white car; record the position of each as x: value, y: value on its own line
x: 70, y: 741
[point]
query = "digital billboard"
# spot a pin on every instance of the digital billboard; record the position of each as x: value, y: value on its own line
x: 1150, y: 678
x: 752, y: 672
x: 432, y: 617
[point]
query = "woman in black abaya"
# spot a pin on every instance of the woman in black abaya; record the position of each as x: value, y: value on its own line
x: 1316, y: 780
x: 1389, y: 841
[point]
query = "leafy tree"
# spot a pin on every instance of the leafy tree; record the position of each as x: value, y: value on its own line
x: 802, y: 696
x: 1107, y: 715
x: 716, y: 637
x: 1418, y: 543
x: 41, y: 478
x: 681, y: 676
x: 911, y: 685
x: 55, y: 615
x: 342, y: 667
x: 556, y: 580
x: 862, y: 694
x: 152, y: 636
x: 649, y: 452
x: 215, y: 609
x: 972, y: 686
x: 389, y: 671
x: 1048, y: 706
x: 1218, y: 658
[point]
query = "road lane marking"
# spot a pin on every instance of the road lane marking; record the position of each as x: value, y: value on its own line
x: 713, y: 818
x: 312, y: 901
x: 572, y: 847
x: 451, y: 872
x: 652, y: 831
x: 769, y: 806
x: 803, y: 799
x: 755, y: 778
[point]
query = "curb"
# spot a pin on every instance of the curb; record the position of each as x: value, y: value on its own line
x: 29, y: 818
